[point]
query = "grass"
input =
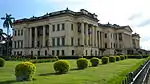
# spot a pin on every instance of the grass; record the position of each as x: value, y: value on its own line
x: 111, y: 73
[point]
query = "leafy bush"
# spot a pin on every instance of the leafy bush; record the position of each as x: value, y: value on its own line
x: 112, y: 59
x: 82, y: 63
x: 118, y: 58
x: 122, y: 57
x: 105, y: 60
x: 25, y: 71
x: 2, y: 62
x: 61, y: 66
x: 94, y: 61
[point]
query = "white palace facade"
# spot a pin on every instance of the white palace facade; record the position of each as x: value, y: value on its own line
x: 69, y: 33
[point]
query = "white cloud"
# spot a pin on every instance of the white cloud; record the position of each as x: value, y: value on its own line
x: 114, y: 11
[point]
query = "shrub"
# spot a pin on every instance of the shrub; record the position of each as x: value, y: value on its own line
x: 25, y: 71
x: 117, y: 58
x: 94, y: 61
x: 112, y: 59
x: 122, y: 57
x: 61, y: 66
x: 82, y: 63
x: 105, y: 60
x: 2, y: 62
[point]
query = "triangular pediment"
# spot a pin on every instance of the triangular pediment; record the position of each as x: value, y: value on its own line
x: 128, y: 28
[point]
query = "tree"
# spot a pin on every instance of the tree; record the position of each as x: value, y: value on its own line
x: 8, y: 22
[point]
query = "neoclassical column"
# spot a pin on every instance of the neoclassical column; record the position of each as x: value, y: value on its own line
x: 50, y: 34
x: 90, y: 26
x: 35, y: 38
x: 24, y: 37
x: 93, y: 36
x: 96, y: 37
x: 67, y: 30
x: 102, y: 36
x: 82, y: 33
x: 99, y: 39
x: 44, y: 36
x: 86, y: 33
x: 30, y: 37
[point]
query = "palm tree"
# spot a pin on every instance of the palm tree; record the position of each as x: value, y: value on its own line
x: 8, y: 22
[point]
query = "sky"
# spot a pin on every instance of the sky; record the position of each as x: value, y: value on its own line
x: 122, y: 12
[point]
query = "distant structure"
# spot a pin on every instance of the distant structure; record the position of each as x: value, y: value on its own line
x: 69, y: 33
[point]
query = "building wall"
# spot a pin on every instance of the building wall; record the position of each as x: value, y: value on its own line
x: 92, y: 37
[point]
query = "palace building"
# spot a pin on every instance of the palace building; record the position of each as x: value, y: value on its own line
x: 69, y: 33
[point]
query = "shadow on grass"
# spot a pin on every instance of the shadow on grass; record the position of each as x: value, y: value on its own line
x: 8, y: 82
x: 48, y: 74
x: 74, y: 69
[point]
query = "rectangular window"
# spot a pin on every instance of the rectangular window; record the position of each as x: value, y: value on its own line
x: 31, y: 53
x: 105, y: 35
x: 72, y: 41
x: 14, y: 52
x: 53, y: 41
x: 105, y: 45
x: 86, y: 52
x: 15, y: 32
x: 18, y: 32
x: 95, y: 53
x: 58, y: 27
x: 111, y: 45
x: 15, y: 44
x: 63, y: 26
x: 38, y: 53
x: 72, y: 52
x: 63, y: 41
x: 22, y: 32
x: 62, y: 52
x: 21, y: 44
x: 46, y: 43
x: 79, y: 27
x: 120, y: 36
x: 78, y: 41
x: 57, y: 53
x: 72, y: 27
x: 18, y: 44
x: 114, y: 45
x: 53, y: 27
x: 20, y: 52
x: 53, y: 52
x: 47, y: 29
x: 58, y: 41
x: 38, y: 44
x: 45, y: 52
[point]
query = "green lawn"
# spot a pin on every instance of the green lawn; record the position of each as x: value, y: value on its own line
x: 103, y: 74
